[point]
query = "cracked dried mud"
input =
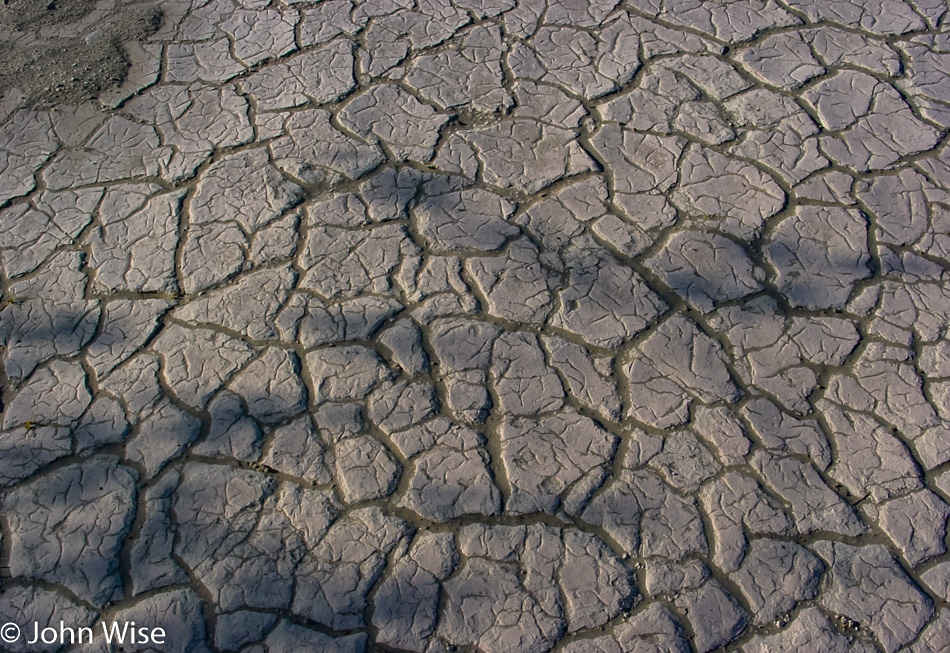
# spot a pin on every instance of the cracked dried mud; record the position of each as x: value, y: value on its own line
x: 488, y: 326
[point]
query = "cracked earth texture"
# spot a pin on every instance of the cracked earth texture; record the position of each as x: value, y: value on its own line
x: 484, y: 325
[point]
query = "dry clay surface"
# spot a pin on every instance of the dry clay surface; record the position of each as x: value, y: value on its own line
x: 484, y: 325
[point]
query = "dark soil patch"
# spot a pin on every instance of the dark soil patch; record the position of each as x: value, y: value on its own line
x: 76, y: 66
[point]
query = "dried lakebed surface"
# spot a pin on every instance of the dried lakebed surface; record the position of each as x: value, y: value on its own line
x: 460, y: 325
